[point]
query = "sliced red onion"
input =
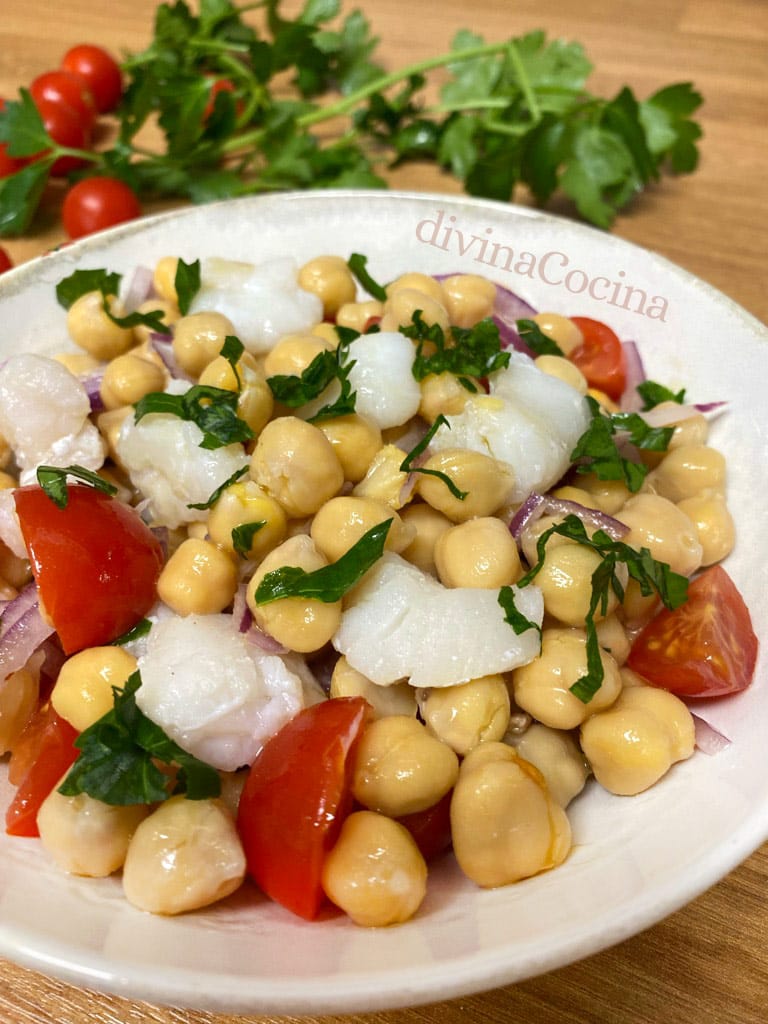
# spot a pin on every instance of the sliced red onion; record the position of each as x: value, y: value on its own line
x: 139, y: 289
x: 667, y: 414
x: 508, y: 309
x: 631, y: 401
x: 241, y: 613
x: 22, y: 635
x: 244, y: 622
x: 92, y: 386
x: 537, y: 505
x: 163, y: 345
x: 708, y: 739
x: 15, y: 609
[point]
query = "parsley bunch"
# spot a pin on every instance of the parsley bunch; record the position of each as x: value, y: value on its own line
x: 514, y: 112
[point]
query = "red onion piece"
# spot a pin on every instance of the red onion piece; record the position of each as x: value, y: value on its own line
x: 26, y: 598
x: 243, y: 619
x: 669, y: 413
x: 708, y: 739
x: 631, y: 401
x: 92, y: 387
x: 509, y: 308
x: 537, y: 505
x: 21, y: 634
x: 163, y: 345
x: 139, y: 289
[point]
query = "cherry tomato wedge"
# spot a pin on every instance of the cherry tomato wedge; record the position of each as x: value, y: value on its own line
x: 68, y: 89
x: 99, y: 70
x: 295, y: 798
x: 97, y: 203
x: 95, y: 562
x: 704, y: 648
x: 600, y: 357
x: 47, y: 747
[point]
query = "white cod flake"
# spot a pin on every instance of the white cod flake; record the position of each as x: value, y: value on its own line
x: 530, y: 420
x: 44, y: 416
x: 263, y: 302
x: 219, y: 697
x: 165, y: 462
x: 387, y: 393
x: 400, y: 623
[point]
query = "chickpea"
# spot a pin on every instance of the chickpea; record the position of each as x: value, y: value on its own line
x: 687, y: 471
x: 613, y: 638
x: 485, y: 481
x: 714, y: 525
x: 83, y: 690
x: 79, y: 364
x: 564, y: 332
x: 557, y: 756
x: 403, y: 303
x: 636, y: 741
x: 342, y: 521
x: 637, y: 608
x: 478, y: 553
x: 295, y: 463
x: 413, y: 280
x: 375, y: 871
x: 91, y: 329
x: 468, y: 714
x: 529, y: 538
x: 185, y: 855
x: 565, y: 580
x: 13, y: 570
x: 198, y: 579
x: 255, y: 403
x: 293, y: 354
x: 7, y: 482
x: 542, y: 688
x: 128, y: 378
x: 110, y: 424
x: 357, y: 315
x: 570, y: 493
x: 326, y: 332
x: 429, y: 525
x: 243, y: 503
x: 399, y: 768
x: 398, y: 699
x: 18, y: 699
x: 563, y: 369
x: 606, y: 403
x: 356, y: 440
x: 607, y: 495
x: 691, y: 430
x: 85, y: 836
x: 442, y: 393
x: 655, y: 523
x: 469, y: 298
x: 198, y: 338
x: 170, y: 312
x: 384, y: 480
x: 301, y: 624
x: 331, y: 280
x: 505, y: 825
x: 164, y: 278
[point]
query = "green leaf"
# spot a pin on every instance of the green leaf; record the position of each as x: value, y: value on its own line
x: 654, y: 394
x: 142, y: 628
x: 213, y: 410
x: 669, y: 130
x: 232, y: 350
x: 242, y: 536
x: 53, y: 480
x: 599, y: 161
x: 22, y: 129
x: 519, y: 623
x: 357, y: 264
x: 333, y: 581
x: 474, y: 352
x: 20, y: 195
x: 597, y: 452
x: 406, y: 466
x: 215, y: 495
x: 186, y: 281
x: 81, y: 282
x: 116, y: 764
x: 536, y: 340
x: 295, y: 391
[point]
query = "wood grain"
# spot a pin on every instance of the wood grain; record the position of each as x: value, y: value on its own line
x: 709, y: 961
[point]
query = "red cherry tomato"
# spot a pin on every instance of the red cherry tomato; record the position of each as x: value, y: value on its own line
x: 5, y: 260
x: 704, y: 648
x: 97, y: 203
x: 295, y: 798
x: 601, y: 357
x: 65, y: 126
x: 64, y: 87
x: 95, y: 563
x: 100, y: 71
x: 8, y: 164
x: 47, y: 752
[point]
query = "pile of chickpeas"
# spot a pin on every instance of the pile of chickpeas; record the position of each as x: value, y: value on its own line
x: 511, y: 750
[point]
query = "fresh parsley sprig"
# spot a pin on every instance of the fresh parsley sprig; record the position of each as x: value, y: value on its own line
x: 406, y: 466
x: 297, y: 390
x: 118, y: 755
x: 333, y: 581
x: 186, y: 281
x: 654, y: 394
x: 357, y: 264
x: 213, y: 410
x: 469, y: 352
x: 53, y: 480
x: 512, y: 614
x: 214, y: 496
x: 536, y: 340
x: 651, y: 575
x: 513, y: 112
x: 81, y: 282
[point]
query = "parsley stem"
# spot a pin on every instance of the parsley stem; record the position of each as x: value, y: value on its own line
x: 525, y: 84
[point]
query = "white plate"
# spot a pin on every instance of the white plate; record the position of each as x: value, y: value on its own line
x: 636, y: 859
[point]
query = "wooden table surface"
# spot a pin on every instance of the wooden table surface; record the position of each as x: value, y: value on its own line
x: 709, y: 961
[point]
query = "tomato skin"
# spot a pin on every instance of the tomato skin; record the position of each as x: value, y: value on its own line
x: 219, y: 85
x: 601, y: 357
x: 65, y: 127
x: 295, y: 798
x: 99, y: 70
x: 95, y: 563
x: 431, y: 829
x: 51, y: 751
x: 70, y: 90
x: 5, y: 260
x: 704, y: 648
x: 97, y: 203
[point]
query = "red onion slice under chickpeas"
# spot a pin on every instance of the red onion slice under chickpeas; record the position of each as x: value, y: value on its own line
x: 139, y: 289
x: 508, y: 309
x: 23, y: 631
x: 709, y: 740
x: 537, y: 505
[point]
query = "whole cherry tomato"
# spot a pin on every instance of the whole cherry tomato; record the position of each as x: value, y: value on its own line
x: 66, y: 127
x: 5, y: 261
x: 95, y: 563
x: 64, y: 87
x: 99, y: 70
x: 97, y: 203
x: 704, y: 648
x: 601, y: 357
x: 295, y: 798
